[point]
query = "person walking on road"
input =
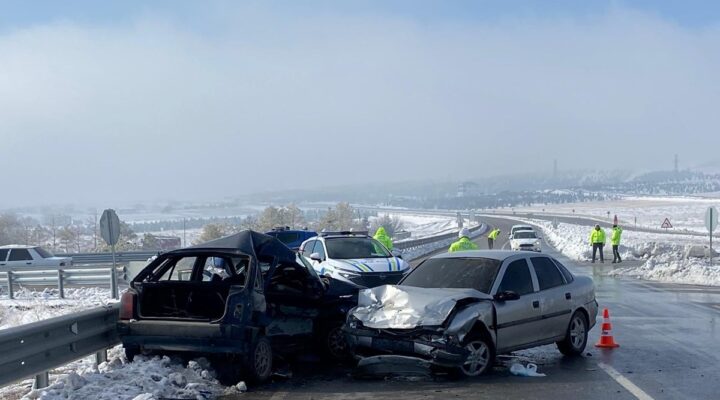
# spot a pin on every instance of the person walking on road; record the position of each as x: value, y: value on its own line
x: 382, y: 237
x: 492, y: 236
x: 597, y: 241
x: 464, y: 243
x: 615, y: 241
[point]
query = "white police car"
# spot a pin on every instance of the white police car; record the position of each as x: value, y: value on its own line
x: 354, y: 257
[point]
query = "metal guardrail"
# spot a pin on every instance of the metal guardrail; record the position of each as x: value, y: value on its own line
x: 34, y: 349
x: 106, y: 258
x: 60, y: 277
x: 409, y: 244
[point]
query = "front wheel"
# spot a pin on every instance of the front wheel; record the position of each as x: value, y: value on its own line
x: 480, y: 359
x: 576, y: 336
x: 259, y: 361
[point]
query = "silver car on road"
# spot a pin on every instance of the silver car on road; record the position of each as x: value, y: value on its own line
x: 458, y: 310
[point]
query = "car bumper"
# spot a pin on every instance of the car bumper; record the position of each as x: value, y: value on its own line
x: 365, y: 343
x: 180, y: 336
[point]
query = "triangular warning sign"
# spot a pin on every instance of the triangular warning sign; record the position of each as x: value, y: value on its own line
x: 666, y: 224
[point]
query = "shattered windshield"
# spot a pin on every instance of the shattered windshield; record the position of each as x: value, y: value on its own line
x: 455, y: 273
x: 355, y: 247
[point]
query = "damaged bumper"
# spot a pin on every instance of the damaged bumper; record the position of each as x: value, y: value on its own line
x: 177, y: 336
x: 367, y: 343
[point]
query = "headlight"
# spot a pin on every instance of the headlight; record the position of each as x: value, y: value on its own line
x: 348, y: 274
x: 352, y: 321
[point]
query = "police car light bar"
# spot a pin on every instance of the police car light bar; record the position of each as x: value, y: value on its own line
x: 345, y: 233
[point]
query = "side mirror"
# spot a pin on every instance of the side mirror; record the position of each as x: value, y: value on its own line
x: 507, y: 296
x: 316, y: 257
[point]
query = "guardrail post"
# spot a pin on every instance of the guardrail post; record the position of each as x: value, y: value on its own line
x: 100, y: 357
x: 10, y: 284
x: 42, y: 380
x: 61, y: 284
x: 113, y: 282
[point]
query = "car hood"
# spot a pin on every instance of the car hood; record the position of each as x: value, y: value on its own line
x: 360, y: 265
x: 406, y: 307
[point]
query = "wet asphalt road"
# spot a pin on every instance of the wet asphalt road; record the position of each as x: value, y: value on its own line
x: 669, y: 350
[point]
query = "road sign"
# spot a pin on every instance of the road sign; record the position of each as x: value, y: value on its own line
x: 711, y: 219
x: 666, y: 224
x: 110, y: 227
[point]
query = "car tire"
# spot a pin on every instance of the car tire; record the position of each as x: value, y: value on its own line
x: 481, y: 358
x: 334, y: 343
x: 131, y: 352
x: 575, y: 336
x: 259, y: 361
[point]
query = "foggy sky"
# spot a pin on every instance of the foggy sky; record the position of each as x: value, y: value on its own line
x: 247, y: 98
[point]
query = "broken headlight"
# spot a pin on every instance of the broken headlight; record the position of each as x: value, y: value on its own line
x: 353, y: 322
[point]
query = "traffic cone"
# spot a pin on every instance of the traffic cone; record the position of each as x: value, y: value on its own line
x: 606, y: 338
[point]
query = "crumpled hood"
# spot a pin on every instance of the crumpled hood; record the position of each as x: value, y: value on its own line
x: 406, y: 307
x: 361, y: 265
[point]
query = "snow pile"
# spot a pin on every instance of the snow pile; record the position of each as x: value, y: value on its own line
x: 31, y: 306
x: 426, y: 225
x: 676, y: 259
x: 143, y: 379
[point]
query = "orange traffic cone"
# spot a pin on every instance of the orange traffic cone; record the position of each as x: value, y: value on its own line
x: 606, y: 338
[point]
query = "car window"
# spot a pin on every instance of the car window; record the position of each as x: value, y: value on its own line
x: 180, y: 269
x: 459, y: 273
x: 43, y: 253
x: 517, y: 278
x: 355, y: 247
x: 287, y: 237
x: 320, y: 249
x: 4, y: 254
x: 20, y: 255
x: 568, y: 276
x: 524, y: 235
x: 308, y: 248
x: 302, y: 261
x: 547, y: 273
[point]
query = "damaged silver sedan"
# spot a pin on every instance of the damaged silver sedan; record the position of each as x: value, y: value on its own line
x: 458, y: 310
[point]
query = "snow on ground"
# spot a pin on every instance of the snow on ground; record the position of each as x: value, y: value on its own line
x: 685, y: 213
x: 426, y: 225
x: 146, y: 378
x: 682, y: 259
x: 31, y: 305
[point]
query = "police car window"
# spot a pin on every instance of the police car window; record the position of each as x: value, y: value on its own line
x: 319, y: 248
x: 517, y: 278
x: 355, y: 247
x: 287, y: 237
x: 308, y: 249
x: 547, y: 273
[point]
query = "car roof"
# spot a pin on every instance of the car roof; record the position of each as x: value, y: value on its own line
x: 522, y: 226
x: 500, y: 255
x: 17, y: 246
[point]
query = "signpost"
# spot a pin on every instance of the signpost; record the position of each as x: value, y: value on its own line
x: 711, y: 222
x: 110, y: 232
x: 555, y: 223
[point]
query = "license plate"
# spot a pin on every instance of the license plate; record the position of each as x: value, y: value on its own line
x: 393, y: 345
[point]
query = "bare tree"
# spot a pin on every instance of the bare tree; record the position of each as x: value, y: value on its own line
x: 391, y: 224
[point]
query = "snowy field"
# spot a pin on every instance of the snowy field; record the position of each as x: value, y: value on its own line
x: 427, y: 225
x: 681, y: 259
x: 683, y: 212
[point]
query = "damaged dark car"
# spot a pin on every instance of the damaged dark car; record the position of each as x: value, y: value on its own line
x: 457, y: 311
x: 245, y: 299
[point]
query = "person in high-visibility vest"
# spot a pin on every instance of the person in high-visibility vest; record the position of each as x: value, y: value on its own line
x: 597, y: 241
x: 382, y: 237
x: 464, y: 243
x: 615, y: 242
x: 492, y: 236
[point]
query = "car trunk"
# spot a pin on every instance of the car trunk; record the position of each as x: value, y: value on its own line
x: 198, y: 301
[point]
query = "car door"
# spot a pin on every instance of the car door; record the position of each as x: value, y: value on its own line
x: 19, y: 258
x: 518, y: 320
x: 555, y: 297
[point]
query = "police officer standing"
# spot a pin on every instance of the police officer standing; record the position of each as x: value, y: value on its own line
x: 464, y: 243
x: 597, y: 241
x: 615, y: 241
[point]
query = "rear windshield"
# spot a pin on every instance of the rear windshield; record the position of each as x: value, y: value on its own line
x: 43, y: 253
x: 524, y: 235
x: 456, y: 273
x: 355, y: 247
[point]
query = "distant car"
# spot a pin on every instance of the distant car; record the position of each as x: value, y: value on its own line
x: 15, y: 255
x: 242, y: 299
x: 458, y: 310
x: 516, y: 228
x: 292, y: 238
x: 525, y: 240
x: 354, y: 257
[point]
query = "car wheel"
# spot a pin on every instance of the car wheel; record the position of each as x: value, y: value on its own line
x: 131, y: 352
x: 480, y: 359
x: 576, y: 336
x: 335, y: 343
x: 259, y: 361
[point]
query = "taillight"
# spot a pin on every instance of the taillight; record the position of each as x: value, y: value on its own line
x: 127, y: 305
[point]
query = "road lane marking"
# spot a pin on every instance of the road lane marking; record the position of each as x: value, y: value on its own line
x: 279, y: 395
x: 625, y: 382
